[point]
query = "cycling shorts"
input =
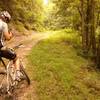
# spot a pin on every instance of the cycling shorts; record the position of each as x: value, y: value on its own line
x: 8, y: 53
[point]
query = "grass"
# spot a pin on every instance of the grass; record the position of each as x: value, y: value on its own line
x: 59, y: 72
x: 68, y: 35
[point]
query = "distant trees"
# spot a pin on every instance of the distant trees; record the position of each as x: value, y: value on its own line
x: 61, y: 15
x: 82, y: 15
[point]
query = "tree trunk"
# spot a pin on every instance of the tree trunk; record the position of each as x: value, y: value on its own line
x: 83, y: 29
x: 85, y: 9
x: 98, y: 54
x: 92, y: 28
x: 88, y: 26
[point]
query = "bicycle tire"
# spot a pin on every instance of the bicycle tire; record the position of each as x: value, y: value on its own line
x: 22, y: 71
x: 26, y: 77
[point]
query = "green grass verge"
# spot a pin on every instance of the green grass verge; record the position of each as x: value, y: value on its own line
x: 60, y: 73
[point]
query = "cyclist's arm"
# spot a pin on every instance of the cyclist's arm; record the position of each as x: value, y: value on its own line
x: 8, y: 35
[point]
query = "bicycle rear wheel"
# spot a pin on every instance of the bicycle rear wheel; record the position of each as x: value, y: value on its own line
x: 4, y: 84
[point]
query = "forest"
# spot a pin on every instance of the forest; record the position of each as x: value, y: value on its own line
x: 66, y: 62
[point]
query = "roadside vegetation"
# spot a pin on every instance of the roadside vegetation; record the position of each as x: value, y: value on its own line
x: 60, y: 73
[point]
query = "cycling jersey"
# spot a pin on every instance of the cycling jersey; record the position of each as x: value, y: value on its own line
x: 7, y: 53
x: 3, y: 29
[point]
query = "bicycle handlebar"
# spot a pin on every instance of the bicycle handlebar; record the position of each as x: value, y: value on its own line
x: 17, y: 46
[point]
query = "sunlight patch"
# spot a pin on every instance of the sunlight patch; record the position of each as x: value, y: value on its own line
x: 45, y: 2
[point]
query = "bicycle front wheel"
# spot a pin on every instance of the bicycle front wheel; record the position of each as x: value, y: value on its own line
x: 24, y: 74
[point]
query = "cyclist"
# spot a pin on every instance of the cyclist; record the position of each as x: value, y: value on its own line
x: 5, y: 34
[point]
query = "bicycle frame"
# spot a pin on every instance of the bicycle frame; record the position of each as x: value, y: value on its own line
x: 10, y: 72
x: 3, y: 62
x: 7, y: 68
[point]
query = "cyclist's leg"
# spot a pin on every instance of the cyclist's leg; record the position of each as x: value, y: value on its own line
x: 10, y: 54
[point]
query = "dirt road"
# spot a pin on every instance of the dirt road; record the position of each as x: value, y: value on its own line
x: 27, y: 41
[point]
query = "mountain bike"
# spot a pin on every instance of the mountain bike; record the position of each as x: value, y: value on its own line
x: 10, y: 78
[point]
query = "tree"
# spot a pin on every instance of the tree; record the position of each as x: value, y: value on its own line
x: 98, y: 53
x: 25, y: 12
x: 88, y: 26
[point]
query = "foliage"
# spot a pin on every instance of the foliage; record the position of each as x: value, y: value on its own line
x: 63, y: 14
x: 25, y: 11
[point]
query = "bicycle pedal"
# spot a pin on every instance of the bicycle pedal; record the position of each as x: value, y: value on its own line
x: 9, y: 93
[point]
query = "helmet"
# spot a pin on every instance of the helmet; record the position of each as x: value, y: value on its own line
x: 5, y: 16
